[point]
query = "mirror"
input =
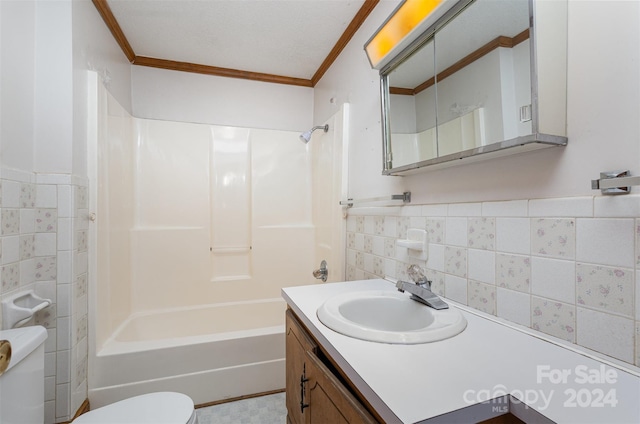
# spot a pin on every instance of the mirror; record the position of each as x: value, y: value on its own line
x: 463, y: 88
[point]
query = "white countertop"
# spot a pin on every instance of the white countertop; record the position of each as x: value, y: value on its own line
x: 413, y: 383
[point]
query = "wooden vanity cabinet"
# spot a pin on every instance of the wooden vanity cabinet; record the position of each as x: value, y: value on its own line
x: 315, y: 395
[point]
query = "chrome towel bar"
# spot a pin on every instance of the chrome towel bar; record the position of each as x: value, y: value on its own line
x: 615, y: 182
x: 405, y: 197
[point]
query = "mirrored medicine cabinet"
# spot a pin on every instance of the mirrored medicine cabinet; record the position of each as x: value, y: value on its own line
x: 487, y: 79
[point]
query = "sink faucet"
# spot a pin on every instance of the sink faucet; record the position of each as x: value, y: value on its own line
x: 421, y: 290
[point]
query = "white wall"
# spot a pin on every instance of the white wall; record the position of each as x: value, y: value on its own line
x: 603, y: 112
x: 53, y: 88
x: 94, y: 48
x: 187, y: 97
x: 17, y: 63
x: 351, y: 80
x: 46, y: 47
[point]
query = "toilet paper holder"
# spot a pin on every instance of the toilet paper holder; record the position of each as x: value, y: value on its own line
x: 20, y: 308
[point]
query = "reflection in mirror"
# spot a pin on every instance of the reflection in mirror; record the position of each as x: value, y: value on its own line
x: 412, y: 105
x: 483, y: 75
x: 466, y: 88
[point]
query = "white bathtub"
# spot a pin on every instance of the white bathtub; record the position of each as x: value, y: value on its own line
x: 209, y: 352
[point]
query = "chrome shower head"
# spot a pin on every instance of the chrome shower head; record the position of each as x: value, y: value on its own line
x: 306, y: 136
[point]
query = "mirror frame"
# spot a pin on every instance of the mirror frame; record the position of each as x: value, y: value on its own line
x: 534, y: 141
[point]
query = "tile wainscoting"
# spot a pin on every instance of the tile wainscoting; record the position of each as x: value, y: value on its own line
x: 43, y: 246
x: 566, y: 267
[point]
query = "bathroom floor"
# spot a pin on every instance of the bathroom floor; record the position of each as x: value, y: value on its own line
x: 269, y: 409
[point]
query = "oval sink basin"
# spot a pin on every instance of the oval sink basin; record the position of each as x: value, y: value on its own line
x: 389, y: 317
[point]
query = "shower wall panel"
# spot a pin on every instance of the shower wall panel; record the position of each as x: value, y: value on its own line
x: 170, y: 238
x: 115, y: 199
x: 230, y: 157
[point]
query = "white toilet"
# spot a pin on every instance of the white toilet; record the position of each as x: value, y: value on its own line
x: 22, y: 383
x: 22, y: 390
x: 152, y: 408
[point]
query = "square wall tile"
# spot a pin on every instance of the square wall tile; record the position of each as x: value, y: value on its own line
x: 481, y: 265
x: 46, y: 268
x: 436, y: 257
x: 437, y: 281
x: 27, y: 246
x: 481, y: 233
x: 389, y: 247
x: 402, y: 225
x: 27, y: 195
x: 482, y: 297
x: 455, y: 288
x: 514, y: 306
x: 606, y: 333
x: 637, y: 343
x: 10, y: 249
x: 45, y: 244
x: 46, y: 220
x: 351, y: 223
x: 378, y: 246
x: 368, y: 225
x: 553, y: 279
x: 10, y: 222
x: 378, y: 225
x: 435, y: 230
x: 27, y: 221
x: 390, y: 224
x: 606, y: 289
x: 46, y: 196
x: 10, y: 276
x: 351, y: 240
x: 455, y: 261
x: 360, y: 224
x: 456, y: 232
x: 561, y: 207
x: 465, y: 209
x: 553, y: 237
x: 368, y: 242
x: 616, y: 206
x: 605, y: 241
x: 553, y: 318
x: 10, y: 194
x: 509, y: 208
x: 513, y: 235
x: 434, y: 210
x: 637, y: 228
x: 513, y: 272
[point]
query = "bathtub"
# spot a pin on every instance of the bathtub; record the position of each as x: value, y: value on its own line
x: 210, y: 353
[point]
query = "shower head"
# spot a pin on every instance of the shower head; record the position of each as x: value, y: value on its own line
x: 306, y: 136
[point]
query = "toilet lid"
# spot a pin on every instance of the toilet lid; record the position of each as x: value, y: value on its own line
x: 152, y: 408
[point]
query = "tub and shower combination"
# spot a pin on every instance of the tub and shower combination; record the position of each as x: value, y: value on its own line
x: 191, y: 251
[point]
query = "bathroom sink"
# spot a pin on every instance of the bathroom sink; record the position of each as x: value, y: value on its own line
x: 388, y: 316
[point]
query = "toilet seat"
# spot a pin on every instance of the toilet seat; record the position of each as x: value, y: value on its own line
x: 151, y: 408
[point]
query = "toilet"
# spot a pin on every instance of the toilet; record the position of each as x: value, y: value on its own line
x: 22, y: 389
x: 22, y: 375
x: 151, y: 408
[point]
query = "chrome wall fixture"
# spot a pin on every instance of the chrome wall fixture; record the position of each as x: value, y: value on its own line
x: 405, y: 197
x: 306, y: 136
x: 615, y: 182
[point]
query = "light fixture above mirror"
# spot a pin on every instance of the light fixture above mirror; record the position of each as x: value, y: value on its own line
x: 474, y: 77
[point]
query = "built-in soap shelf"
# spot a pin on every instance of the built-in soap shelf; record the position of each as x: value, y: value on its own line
x: 415, y: 243
x: 18, y: 309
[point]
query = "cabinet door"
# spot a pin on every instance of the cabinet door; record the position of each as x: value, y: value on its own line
x: 328, y: 400
x: 297, y: 344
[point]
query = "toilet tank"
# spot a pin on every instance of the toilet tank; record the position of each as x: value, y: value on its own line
x: 22, y: 383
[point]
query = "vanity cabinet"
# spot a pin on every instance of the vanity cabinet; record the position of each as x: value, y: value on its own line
x: 315, y: 394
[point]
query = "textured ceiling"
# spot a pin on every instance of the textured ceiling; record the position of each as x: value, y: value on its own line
x: 279, y: 37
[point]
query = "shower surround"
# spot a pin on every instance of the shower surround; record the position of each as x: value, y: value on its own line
x: 198, y: 228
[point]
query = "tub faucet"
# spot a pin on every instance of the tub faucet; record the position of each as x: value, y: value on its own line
x: 421, y: 290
